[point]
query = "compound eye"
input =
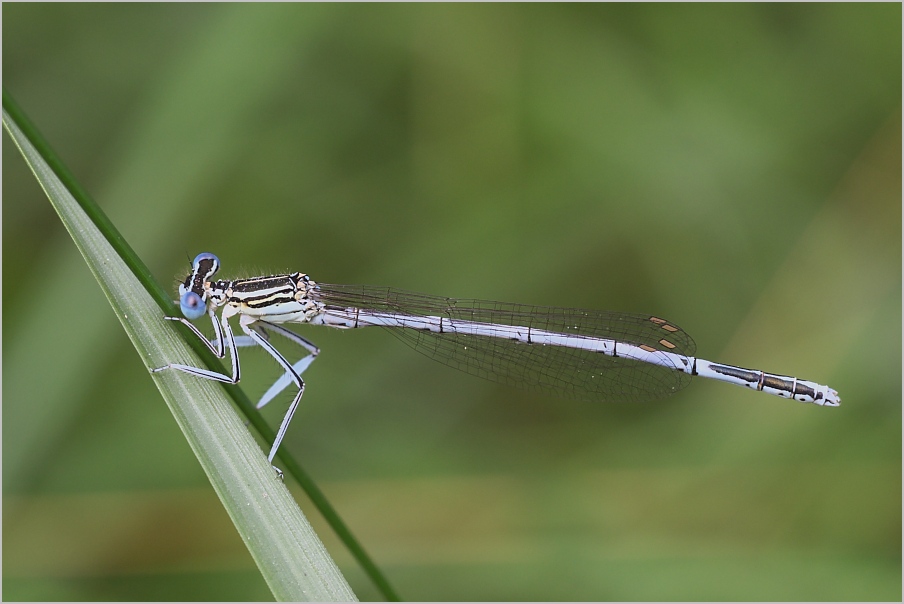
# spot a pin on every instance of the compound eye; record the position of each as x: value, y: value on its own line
x: 192, y: 305
x: 213, y: 260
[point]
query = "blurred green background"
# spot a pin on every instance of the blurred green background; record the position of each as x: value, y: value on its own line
x: 734, y: 168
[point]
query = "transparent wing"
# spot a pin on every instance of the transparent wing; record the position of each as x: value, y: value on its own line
x: 565, y: 372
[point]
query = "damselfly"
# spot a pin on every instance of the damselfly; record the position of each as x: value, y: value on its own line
x: 583, y: 354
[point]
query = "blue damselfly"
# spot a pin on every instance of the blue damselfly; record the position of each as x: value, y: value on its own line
x: 583, y: 354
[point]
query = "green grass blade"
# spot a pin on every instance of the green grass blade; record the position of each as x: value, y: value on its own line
x: 289, y: 554
x: 164, y: 300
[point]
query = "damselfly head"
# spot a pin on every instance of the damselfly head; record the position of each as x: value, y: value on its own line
x: 193, y: 292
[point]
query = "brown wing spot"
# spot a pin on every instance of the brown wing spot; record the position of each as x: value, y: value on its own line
x: 666, y: 343
x: 657, y: 320
x: 647, y: 348
x: 668, y: 327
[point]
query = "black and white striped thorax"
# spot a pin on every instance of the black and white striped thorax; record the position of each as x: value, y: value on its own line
x: 276, y: 298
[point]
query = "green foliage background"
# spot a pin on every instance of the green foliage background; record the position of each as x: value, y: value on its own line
x: 734, y: 168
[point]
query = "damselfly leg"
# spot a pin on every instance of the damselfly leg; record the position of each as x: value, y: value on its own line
x: 255, y: 331
x: 297, y: 369
x: 286, y: 378
x: 224, y: 336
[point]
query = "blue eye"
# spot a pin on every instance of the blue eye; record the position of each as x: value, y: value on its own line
x: 192, y: 306
x: 215, y: 265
